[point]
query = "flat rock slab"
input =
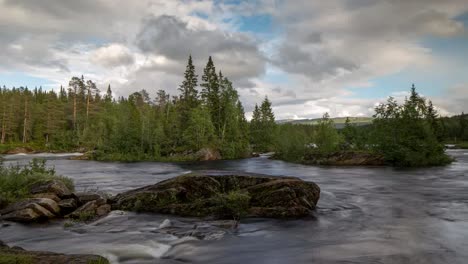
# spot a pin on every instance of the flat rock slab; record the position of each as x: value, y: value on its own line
x: 203, y: 194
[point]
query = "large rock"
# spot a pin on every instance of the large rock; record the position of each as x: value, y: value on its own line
x: 30, y: 210
x: 56, y: 187
x: 19, y: 255
x: 90, y: 210
x: 206, y: 154
x: 204, y: 195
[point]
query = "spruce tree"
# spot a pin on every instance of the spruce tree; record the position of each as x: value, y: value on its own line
x: 108, y: 96
x: 188, y: 88
x: 210, y: 94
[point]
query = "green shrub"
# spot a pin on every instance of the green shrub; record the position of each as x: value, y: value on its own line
x: 6, y: 258
x: 234, y: 204
x: 15, y: 181
x: 86, y: 216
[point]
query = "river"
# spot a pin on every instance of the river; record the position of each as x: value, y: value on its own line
x: 364, y: 215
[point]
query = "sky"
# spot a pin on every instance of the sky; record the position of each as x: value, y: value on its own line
x: 309, y: 57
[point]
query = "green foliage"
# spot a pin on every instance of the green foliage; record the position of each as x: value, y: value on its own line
x: 405, y: 134
x: 462, y: 145
x: 454, y: 129
x: 350, y: 135
x: 292, y: 141
x: 327, y: 138
x: 15, y: 181
x: 234, y: 204
x: 263, y: 127
x: 200, y: 129
x: 100, y: 260
x: 86, y: 216
x: 8, y: 258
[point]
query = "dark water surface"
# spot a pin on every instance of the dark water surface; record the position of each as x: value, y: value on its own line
x: 365, y: 215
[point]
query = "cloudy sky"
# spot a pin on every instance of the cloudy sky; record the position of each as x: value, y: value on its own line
x: 308, y: 57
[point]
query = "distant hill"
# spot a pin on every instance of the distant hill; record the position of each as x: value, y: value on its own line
x: 339, y: 121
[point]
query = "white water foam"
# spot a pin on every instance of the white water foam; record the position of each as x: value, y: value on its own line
x: 149, y: 250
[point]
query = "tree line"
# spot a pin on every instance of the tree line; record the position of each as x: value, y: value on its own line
x: 208, y: 114
x: 407, y: 134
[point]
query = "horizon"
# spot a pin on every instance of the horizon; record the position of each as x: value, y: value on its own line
x: 351, y: 57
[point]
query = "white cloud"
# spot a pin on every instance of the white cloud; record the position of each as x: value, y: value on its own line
x: 321, y: 47
x: 112, y: 55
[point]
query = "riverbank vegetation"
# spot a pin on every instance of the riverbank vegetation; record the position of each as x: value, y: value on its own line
x: 409, y: 134
x: 206, y: 121
x: 16, y: 181
x: 206, y: 115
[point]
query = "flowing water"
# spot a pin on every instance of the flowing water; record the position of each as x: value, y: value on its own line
x: 364, y: 215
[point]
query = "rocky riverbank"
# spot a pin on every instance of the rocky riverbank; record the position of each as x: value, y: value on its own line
x: 203, y: 195
x: 20, y: 256
x: 52, y: 199
x: 344, y: 158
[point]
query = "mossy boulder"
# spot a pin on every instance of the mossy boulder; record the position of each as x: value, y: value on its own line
x: 223, y: 195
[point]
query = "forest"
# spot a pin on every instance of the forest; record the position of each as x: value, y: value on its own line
x: 80, y: 117
x: 209, y: 115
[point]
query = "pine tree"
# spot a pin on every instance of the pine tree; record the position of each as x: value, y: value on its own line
x: 255, y: 128
x: 74, y: 88
x: 108, y: 96
x: 268, y: 125
x: 210, y: 93
x: 92, y: 90
x: 349, y: 134
x: 188, y: 88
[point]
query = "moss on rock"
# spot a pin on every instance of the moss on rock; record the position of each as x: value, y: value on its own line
x: 223, y: 196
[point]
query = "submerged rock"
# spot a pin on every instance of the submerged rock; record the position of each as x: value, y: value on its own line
x: 223, y: 196
x: 203, y: 230
x: 19, y: 255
